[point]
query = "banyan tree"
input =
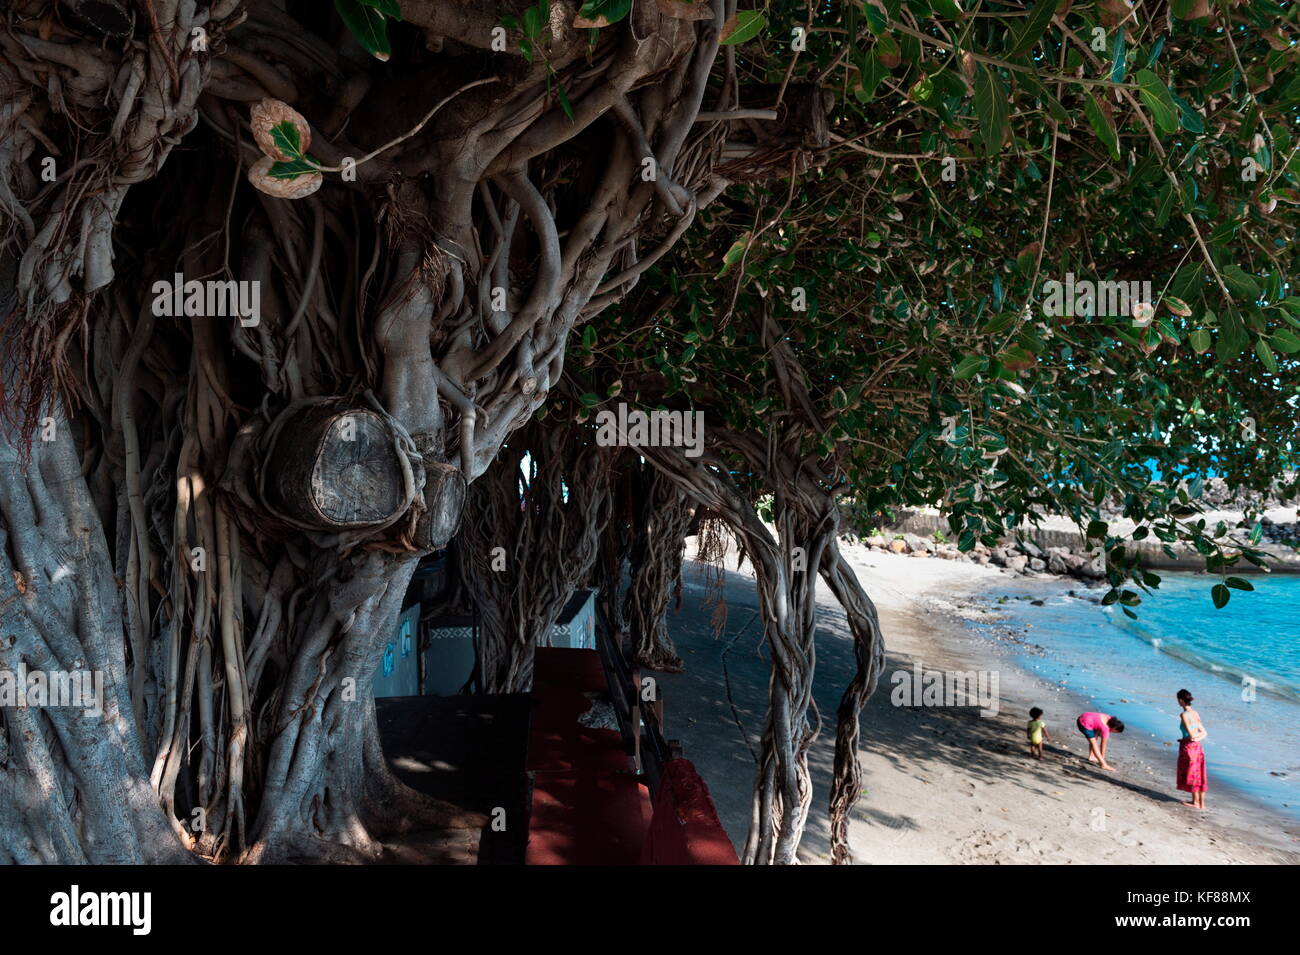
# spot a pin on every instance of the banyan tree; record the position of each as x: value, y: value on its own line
x: 381, y: 223
x: 285, y: 286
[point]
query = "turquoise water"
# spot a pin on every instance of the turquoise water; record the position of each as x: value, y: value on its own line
x: 1132, y: 669
x: 1254, y: 637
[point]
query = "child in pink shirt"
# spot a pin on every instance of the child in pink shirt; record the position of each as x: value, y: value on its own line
x: 1096, y: 728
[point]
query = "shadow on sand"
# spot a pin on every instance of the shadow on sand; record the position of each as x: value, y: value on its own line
x: 718, y: 705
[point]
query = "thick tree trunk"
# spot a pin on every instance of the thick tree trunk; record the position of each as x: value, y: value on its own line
x: 663, y: 517
x: 74, y: 784
x: 787, y: 592
x: 230, y: 559
x: 328, y: 793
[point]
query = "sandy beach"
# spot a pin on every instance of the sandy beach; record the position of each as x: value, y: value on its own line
x: 943, y: 784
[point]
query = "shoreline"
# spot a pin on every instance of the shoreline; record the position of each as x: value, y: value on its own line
x: 1056, y: 547
x: 1142, y: 762
x: 943, y: 784
x: 996, y: 621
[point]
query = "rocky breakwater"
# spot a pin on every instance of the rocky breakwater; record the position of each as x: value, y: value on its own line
x: 1017, y: 557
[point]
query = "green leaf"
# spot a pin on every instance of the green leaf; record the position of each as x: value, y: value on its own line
x: 590, y: 399
x: 1232, y: 336
x: 563, y: 97
x: 533, y: 23
x: 290, y: 169
x: 968, y: 367
x: 366, y: 24
x: 1097, y: 530
x: 1236, y: 583
x: 1155, y: 50
x: 1018, y: 358
x: 734, y: 254
x: 947, y: 8
x: 1192, y: 121
x: 1241, y: 282
x: 1220, y: 595
x: 1039, y: 17
x: 388, y: 8
x: 1187, y: 281
x: 870, y: 74
x: 285, y: 136
x: 1157, y: 99
x: 1040, y: 92
x: 991, y: 106
x: 1266, y: 355
x: 605, y: 12
x: 749, y: 23
x: 1166, y: 206
x: 1286, y: 341
x: 999, y: 323
x: 1027, y: 258
x: 877, y: 21
x: 1200, y: 341
x: 1117, y: 57
x: 1102, y: 125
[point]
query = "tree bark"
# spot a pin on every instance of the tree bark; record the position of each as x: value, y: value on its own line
x: 239, y: 561
x: 869, y: 652
x: 787, y: 566
x: 74, y: 785
x: 530, y: 539
x: 659, y: 546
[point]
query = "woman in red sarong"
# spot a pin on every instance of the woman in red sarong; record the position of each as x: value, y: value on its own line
x: 1191, y: 756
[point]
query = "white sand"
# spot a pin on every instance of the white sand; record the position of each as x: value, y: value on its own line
x: 944, y: 785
